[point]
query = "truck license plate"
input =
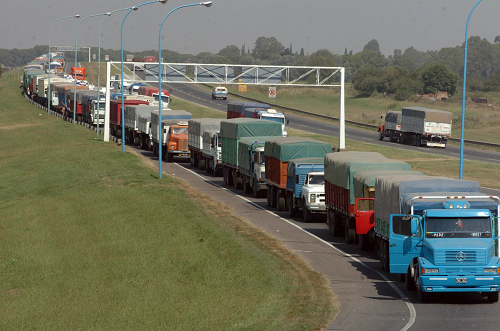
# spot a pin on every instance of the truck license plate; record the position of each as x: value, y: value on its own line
x: 461, y: 280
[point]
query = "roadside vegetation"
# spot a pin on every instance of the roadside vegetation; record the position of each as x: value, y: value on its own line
x: 90, y: 238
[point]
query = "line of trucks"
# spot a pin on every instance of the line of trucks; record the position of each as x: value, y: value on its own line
x: 417, y: 126
x: 438, y: 234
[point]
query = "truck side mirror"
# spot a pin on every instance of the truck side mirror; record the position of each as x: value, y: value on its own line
x: 414, y: 227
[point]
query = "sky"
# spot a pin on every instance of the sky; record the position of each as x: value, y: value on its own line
x: 309, y: 24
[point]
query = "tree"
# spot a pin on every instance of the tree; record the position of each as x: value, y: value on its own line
x: 372, y: 46
x: 438, y: 77
x: 497, y: 40
x: 365, y: 80
x: 388, y: 78
x: 265, y: 48
x: 232, y: 53
x: 406, y: 87
x: 302, y: 52
x: 242, y: 49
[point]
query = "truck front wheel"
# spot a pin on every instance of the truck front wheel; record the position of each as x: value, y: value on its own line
x: 409, y: 281
x: 280, y: 201
x: 493, y: 297
x: 292, y: 210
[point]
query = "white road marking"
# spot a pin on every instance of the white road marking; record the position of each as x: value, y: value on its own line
x: 411, y: 308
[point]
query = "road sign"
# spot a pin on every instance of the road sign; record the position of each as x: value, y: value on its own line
x: 242, y: 87
x: 272, y: 92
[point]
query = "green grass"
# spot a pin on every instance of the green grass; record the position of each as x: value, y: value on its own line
x: 90, y: 238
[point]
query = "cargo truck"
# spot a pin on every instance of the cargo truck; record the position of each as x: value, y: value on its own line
x: 305, y: 186
x: 262, y: 111
x: 212, y: 152
x: 391, y: 127
x: 203, y: 155
x: 174, y: 134
x: 278, y: 152
x: 135, y: 133
x: 251, y: 164
x: 231, y: 131
x: 347, y: 213
x: 438, y: 234
x: 115, y: 113
x: 93, y: 110
x: 425, y: 127
x: 79, y: 73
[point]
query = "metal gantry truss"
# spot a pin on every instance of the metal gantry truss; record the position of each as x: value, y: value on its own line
x: 69, y: 49
x: 227, y: 74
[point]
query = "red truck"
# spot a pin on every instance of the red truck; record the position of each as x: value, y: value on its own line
x: 350, y: 192
x: 115, y: 114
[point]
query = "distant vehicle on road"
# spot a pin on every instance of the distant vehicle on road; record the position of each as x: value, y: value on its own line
x: 219, y: 93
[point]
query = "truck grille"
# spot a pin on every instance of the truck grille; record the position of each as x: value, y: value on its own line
x: 463, y: 271
x: 459, y: 256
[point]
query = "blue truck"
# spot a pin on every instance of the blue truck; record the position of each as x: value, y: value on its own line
x: 305, y: 186
x: 438, y: 234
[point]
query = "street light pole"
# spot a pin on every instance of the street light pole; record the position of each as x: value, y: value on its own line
x: 121, y: 84
x: 99, y: 67
x: 463, y: 95
x: 76, y: 61
x: 49, y: 96
x: 160, y: 132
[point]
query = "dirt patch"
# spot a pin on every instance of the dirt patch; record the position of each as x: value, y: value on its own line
x: 14, y: 127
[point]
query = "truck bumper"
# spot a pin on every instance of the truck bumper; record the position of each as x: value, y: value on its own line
x: 481, y: 283
x: 317, y: 208
x: 179, y: 153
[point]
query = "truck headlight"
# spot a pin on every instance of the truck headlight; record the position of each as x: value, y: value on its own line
x: 491, y: 270
x: 431, y: 270
x: 313, y: 198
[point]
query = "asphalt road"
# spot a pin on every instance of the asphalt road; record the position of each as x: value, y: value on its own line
x: 370, y: 298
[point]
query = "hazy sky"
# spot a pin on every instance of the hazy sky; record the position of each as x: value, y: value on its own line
x: 311, y: 24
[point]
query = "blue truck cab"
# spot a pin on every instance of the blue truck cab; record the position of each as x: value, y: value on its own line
x: 447, y: 244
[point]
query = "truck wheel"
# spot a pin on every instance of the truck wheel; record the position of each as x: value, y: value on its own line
x: 191, y: 159
x: 292, y: 210
x: 347, y: 236
x: 280, y: 201
x: 391, y: 136
x: 255, y: 189
x: 363, y: 242
x: 246, y: 187
x: 268, y: 197
x: 306, y: 214
x: 170, y: 157
x: 419, y: 140
x: 422, y: 296
x: 409, y: 281
x: 273, y: 197
x: 384, y: 256
x: 493, y: 297
x: 201, y: 164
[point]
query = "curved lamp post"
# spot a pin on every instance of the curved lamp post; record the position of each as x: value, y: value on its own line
x: 463, y: 95
x: 49, y: 96
x: 121, y: 84
x: 160, y: 133
x: 76, y: 61
x: 99, y: 66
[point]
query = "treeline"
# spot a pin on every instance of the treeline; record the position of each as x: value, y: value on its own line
x: 403, y: 73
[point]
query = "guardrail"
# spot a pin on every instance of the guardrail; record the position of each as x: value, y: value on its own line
x: 370, y: 126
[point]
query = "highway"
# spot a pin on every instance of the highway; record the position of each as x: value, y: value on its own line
x: 370, y: 299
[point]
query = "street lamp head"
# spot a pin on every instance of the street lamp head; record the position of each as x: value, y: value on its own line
x: 135, y: 8
x: 77, y: 16
x: 162, y: 1
x: 206, y: 3
x: 108, y: 13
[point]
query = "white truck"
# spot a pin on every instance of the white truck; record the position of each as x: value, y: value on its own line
x: 425, y: 127
x: 203, y: 155
x: 306, y: 187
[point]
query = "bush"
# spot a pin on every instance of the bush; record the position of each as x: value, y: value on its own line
x: 365, y: 81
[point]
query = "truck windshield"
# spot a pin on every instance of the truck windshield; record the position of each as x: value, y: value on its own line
x: 458, y: 227
x: 274, y: 119
x: 179, y: 130
x: 316, y: 180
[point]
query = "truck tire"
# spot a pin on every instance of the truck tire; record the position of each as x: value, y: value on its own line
x: 493, y: 297
x: 409, y: 280
x: 246, y: 186
x: 363, y: 242
x: 273, y: 197
x: 255, y: 189
x: 280, y: 201
x: 391, y: 136
x: 201, y: 164
x: 170, y: 157
x: 292, y: 210
x: 268, y: 197
x: 422, y: 296
x: 384, y: 256
x: 306, y: 214
x: 348, y: 237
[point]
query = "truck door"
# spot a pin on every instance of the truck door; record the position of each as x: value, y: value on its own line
x: 403, y: 247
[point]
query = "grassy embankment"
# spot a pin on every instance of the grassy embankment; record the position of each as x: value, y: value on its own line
x: 91, y: 239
